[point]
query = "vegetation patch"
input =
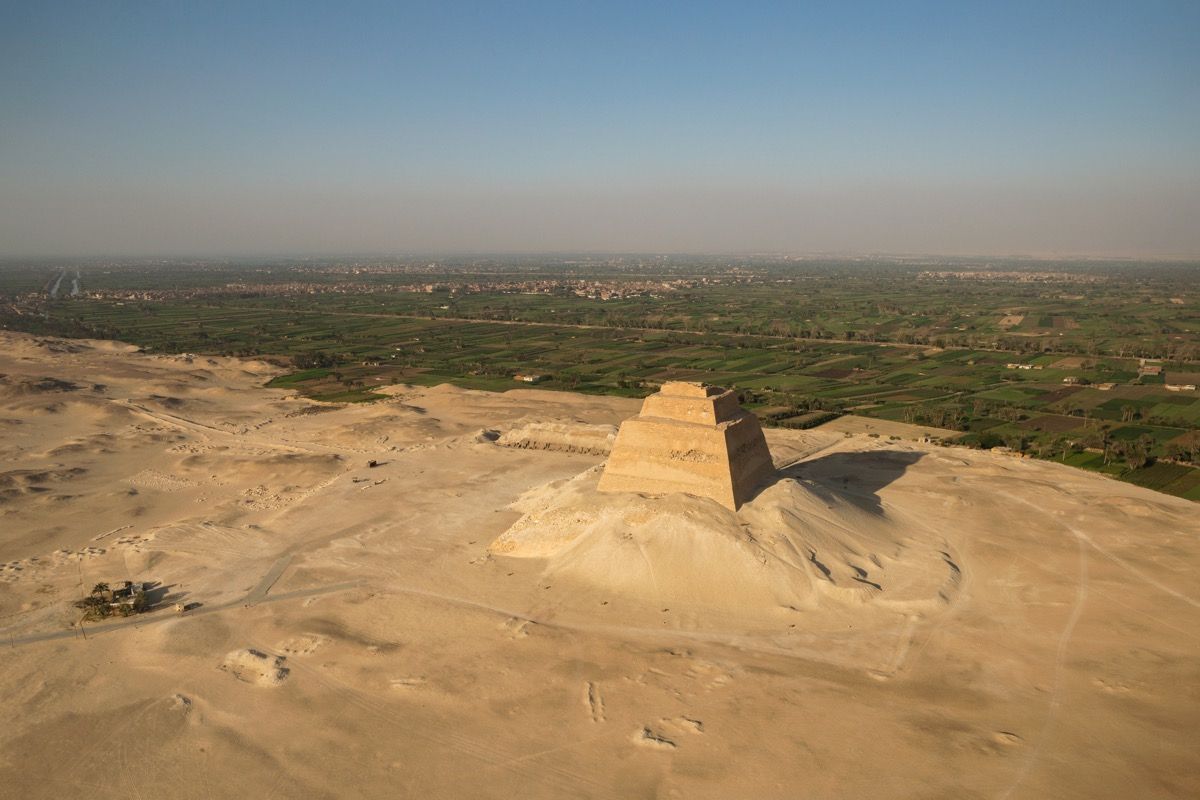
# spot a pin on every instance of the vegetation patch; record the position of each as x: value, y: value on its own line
x: 901, y: 342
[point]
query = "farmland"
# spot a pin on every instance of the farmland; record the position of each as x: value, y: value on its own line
x: 1083, y: 363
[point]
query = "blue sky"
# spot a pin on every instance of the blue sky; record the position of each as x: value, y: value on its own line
x: 146, y: 128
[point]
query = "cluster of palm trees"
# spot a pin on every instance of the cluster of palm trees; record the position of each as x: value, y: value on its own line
x: 103, y: 602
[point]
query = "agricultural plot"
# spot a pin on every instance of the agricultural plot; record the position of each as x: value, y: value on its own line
x: 896, y: 344
x: 1054, y: 423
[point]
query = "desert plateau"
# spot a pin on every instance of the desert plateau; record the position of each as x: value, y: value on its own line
x: 600, y: 401
x: 428, y: 596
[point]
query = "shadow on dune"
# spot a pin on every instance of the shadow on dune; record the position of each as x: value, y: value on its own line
x: 851, y: 477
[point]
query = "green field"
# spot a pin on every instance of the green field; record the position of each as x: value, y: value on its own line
x: 797, y: 341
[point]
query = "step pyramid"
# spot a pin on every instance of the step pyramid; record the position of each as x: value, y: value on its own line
x: 692, y: 438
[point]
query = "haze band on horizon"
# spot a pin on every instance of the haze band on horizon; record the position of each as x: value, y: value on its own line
x: 301, y: 128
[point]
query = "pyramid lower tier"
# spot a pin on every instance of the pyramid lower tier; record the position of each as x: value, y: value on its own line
x: 725, y: 462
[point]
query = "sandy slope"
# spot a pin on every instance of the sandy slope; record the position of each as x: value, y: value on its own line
x: 1032, y: 631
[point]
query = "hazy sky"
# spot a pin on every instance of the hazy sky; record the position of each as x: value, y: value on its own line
x: 259, y: 127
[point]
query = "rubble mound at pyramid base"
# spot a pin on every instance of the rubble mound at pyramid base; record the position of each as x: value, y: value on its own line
x: 789, y: 548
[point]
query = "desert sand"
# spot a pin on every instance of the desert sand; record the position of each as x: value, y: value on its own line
x: 472, y: 618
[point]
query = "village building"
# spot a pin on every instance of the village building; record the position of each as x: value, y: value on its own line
x: 1181, y: 381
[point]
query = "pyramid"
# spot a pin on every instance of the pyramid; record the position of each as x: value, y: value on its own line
x: 690, y: 438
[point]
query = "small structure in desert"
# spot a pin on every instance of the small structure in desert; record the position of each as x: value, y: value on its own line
x: 692, y: 438
x: 105, y: 601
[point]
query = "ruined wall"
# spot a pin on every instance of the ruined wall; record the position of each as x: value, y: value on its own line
x: 561, y: 437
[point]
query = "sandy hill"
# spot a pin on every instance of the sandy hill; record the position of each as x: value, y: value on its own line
x: 470, y: 618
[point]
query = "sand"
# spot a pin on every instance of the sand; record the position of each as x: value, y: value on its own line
x: 886, y: 428
x: 889, y: 619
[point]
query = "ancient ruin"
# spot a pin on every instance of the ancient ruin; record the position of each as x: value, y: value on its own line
x: 690, y: 438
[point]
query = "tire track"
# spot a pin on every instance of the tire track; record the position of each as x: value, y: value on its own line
x: 1060, y: 655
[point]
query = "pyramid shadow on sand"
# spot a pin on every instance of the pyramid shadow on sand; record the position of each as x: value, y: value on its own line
x: 852, y: 477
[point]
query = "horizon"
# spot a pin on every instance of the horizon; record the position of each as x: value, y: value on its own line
x: 798, y: 257
x: 1063, y: 131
